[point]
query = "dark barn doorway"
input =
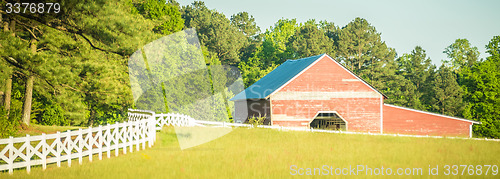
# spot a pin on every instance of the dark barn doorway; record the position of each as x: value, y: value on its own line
x: 329, y: 121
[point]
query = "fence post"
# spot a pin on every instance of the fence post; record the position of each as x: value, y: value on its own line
x: 108, y: 141
x: 91, y: 143
x: 152, y: 130
x: 130, y: 137
x: 11, y: 153
x: 99, y: 137
x: 117, y: 140
x: 79, y: 145
x: 69, y: 151
x: 137, y: 134
x: 125, y: 137
x: 144, y: 131
x: 44, y: 152
x: 28, y: 153
x: 58, y: 148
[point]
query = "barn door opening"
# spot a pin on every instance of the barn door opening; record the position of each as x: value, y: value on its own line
x: 329, y: 121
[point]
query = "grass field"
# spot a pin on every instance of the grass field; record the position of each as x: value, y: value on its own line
x: 35, y: 129
x: 257, y: 153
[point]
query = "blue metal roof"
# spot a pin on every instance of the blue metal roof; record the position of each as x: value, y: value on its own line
x: 275, y: 79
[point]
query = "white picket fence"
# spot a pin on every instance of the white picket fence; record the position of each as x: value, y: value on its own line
x: 141, y: 127
x: 24, y: 152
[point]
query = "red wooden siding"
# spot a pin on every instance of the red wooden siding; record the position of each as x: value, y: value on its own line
x: 405, y: 121
x: 326, y: 86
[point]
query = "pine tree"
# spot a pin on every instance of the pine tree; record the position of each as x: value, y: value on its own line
x: 417, y: 68
x: 361, y: 49
x: 446, y: 94
x: 309, y: 40
x: 77, y: 63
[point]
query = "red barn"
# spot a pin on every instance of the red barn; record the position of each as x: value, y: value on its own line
x: 319, y: 92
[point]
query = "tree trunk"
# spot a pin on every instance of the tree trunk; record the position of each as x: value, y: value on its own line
x: 13, y: 27
x: 5, y: 26
x: 91, y: 117
x: 29, y: 91
x: 8, y: 85
x: 8, y: 94
x: 27, y: 100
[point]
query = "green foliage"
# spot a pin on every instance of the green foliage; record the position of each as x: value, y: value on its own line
x: 461, y: 54
x: 360, y: 45
x: 110, y: 117
x: 53, y: 115
x: 245, y: 23
x: 401, y: 91
x: 361, y: 49
x: 8, y: 127
x: 274, y: 48
x: 80, y: 64
x: 253, y: 70
x: 417, y: 68
x: 215, y: 32
x: 166, y: 15
x: 446, y: 94
x: 256, y: 121
x: 482, y: 92
x: 272, y: 52
x: 309, y: 40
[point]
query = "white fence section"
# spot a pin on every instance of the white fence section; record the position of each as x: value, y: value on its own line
x: 24, y: 152
x: 173, y: 120
x: 140, y: 129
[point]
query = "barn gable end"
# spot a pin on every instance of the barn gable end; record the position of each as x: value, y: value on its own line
x: 327, y: 86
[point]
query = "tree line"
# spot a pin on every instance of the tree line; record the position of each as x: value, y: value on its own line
x: 70, y: 68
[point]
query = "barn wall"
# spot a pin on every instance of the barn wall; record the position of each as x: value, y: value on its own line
x: 403, y: 121
x: 326, y: 86
x: 245, y: 109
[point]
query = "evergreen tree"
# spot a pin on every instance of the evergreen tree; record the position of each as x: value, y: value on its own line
x: 417, y: 68
x: 446, y: 94
x: 74, y: 62
x: 309, y: 40
x: 361, y: 49
x: 245, y: 23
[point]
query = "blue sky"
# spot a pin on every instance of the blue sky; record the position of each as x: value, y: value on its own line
x: 432, y: 24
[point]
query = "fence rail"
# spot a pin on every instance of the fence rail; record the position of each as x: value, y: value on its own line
x: 141, y: 127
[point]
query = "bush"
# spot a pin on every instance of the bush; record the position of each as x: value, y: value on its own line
x: 53, y: 115
x: 256, y: 121
x: 7, y: 127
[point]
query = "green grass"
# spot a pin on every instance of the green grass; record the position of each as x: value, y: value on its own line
x: 257, y: 153
x: 35, y: 129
